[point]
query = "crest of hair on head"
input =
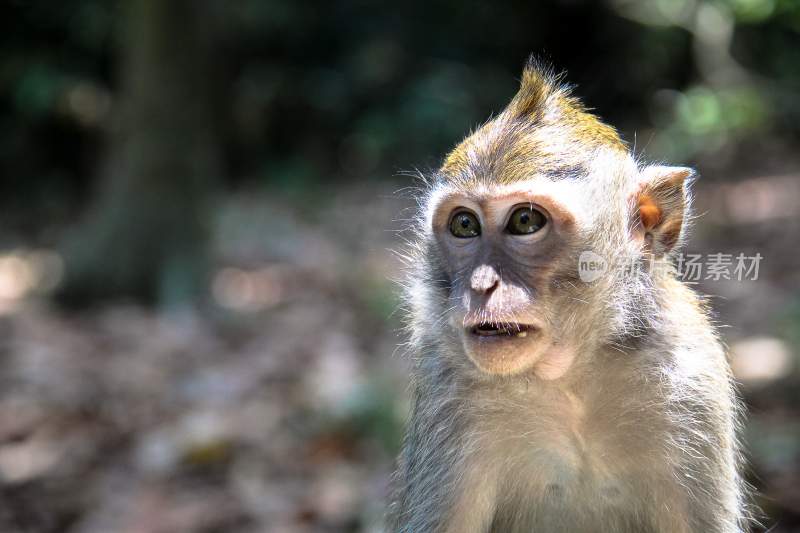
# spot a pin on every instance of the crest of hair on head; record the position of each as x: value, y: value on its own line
x: 544, y: 100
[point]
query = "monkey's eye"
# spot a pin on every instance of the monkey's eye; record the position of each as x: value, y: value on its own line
x: 525, y: 220
x: 465, y: 225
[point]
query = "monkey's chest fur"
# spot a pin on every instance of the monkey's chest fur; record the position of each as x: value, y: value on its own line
x: 568, y: 460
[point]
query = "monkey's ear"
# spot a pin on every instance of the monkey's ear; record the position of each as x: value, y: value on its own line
x: 660, y: 207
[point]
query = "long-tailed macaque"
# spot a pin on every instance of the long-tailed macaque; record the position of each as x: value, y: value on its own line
x: 565, y: 379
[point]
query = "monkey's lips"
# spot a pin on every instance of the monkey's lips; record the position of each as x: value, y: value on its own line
x: 504, y: 348
x: 490, y: 329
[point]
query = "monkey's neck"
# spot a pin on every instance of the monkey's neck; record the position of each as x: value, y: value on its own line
x: 566, y: 370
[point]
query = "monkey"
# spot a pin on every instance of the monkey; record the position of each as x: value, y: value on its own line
x: 543, y: 400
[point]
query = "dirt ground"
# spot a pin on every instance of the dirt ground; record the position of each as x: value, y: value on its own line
x: 280, y: 406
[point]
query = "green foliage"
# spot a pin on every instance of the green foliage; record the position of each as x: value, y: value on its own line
x: 703, y: 119
x: 307, y: 95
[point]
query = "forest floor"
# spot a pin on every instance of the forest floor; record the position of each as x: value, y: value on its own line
x: 280, y: 406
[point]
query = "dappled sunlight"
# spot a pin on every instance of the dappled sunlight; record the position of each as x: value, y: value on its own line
x: 249, y: 290
x: 26, y: 272
x: 758, y: 361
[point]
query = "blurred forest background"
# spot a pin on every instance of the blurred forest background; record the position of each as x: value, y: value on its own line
x: 198, y: 203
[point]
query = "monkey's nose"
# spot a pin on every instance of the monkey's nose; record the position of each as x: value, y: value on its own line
x: 484, y: 279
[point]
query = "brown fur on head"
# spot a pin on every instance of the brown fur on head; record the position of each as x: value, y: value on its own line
x: 543, y: 122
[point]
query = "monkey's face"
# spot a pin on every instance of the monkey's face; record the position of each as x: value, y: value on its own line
x: 502, y: 248
x: 512, y: 210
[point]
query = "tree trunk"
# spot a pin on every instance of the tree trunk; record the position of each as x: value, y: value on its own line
x: 146, y: 235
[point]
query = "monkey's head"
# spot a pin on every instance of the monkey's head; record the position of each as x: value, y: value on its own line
x: 518, y: 213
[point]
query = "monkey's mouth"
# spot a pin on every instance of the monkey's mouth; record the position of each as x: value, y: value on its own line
x: 491, y: 329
